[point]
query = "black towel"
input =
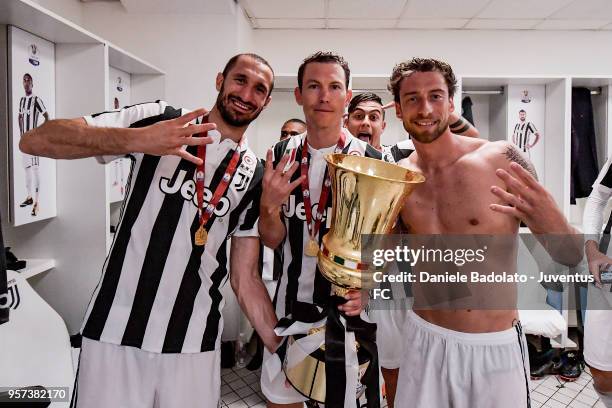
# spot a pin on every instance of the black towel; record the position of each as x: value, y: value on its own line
x: 466, y: 109
x: 584, y: 166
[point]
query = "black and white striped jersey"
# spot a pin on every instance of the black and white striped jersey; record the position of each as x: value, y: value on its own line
x: 31, y: 107
x: 522, y: 134
x: 300, y: 279
x: 400, y: 150
x: 159, y: 291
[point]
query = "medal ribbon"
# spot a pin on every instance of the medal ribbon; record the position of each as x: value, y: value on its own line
x: 205, y: 213
x: 312, y: 231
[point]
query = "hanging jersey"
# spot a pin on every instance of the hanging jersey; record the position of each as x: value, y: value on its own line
x: 159, y: 291
x: 300, y: 279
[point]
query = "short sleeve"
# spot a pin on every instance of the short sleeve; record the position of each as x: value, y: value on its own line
x: 124, y: 118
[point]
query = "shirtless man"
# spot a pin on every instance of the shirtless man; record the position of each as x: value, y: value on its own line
x: 366, y: 121
x: 464, y: 358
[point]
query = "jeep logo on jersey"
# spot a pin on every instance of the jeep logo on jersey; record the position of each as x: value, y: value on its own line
x: 11, y: 299
x: 33, y: 57
x: 290, y: 209
x: 187, y: 189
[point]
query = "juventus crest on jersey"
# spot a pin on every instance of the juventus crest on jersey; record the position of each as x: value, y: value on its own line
x: 159, y: 291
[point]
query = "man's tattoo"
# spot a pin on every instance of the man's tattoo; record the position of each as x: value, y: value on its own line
x: 456, y: 124
x: 514, y: 155
x: 463, y: 129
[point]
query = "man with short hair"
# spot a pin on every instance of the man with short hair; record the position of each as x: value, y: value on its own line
x: 296, y: 202
x: 31, y: 107
x: 152, y: 330
x: 292, y: 127
x: 366, y: 121
x: 455, y: 356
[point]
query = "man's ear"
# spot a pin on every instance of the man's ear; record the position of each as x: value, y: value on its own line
x: 452, y: 104
x: 398, y: 110
x: 298, y: 95
x: 349, y: 96
x: 384, y: 125
x: 268, y: 100
x: 219, y: 81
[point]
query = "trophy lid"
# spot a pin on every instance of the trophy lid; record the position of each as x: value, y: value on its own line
x: 374, y: 168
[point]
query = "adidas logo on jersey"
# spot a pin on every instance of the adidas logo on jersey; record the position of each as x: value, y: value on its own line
x: 290, y: 209
x: 187, y: 189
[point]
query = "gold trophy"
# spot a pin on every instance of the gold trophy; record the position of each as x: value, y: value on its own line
x: 367, y: 196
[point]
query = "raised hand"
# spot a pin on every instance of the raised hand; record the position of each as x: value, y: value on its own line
x: 356, y: 301
x: 596, y: 261
x: 529, y: 201
x: 168, y: 137
x: 276, y: 183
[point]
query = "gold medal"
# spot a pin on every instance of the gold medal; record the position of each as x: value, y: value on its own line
x: 201, y: 236
x: 312, y: 249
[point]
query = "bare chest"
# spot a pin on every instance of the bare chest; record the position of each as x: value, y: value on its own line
x: 456, y: 201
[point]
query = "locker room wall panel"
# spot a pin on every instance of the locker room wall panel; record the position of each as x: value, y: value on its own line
x: 80, y: 89
x: 147, y: 87
x: 558, y: 147
x: 498, y: 116
x: 76, y: 238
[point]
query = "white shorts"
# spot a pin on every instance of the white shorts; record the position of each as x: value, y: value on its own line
x: 598, y: 328
x: 444, y: 368
x: 390, y: 317
x: 116, y: 376
x: 277, y: 390
x: 29, y: 161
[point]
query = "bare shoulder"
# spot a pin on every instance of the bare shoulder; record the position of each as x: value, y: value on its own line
x: 502, y: 153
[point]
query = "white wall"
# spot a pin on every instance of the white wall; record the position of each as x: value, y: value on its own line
x: 190, y: 48
x: 471, y: 52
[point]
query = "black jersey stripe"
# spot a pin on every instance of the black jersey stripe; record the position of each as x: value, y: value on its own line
x: 211, y: 332
x: 295, y: 236
x: 182, y: 309
x: 28, y: 115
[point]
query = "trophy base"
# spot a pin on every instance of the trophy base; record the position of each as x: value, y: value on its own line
x: 308, y: 376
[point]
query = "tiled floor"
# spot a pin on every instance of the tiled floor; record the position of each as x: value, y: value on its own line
x: 552, y: 393
x: 240, y: 389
